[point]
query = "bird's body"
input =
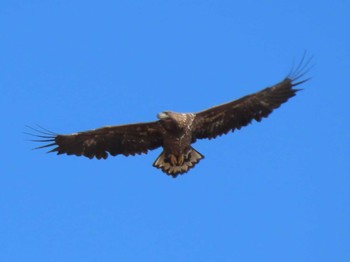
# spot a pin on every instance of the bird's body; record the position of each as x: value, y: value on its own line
x: 178, y: 155
x: 175, y: 132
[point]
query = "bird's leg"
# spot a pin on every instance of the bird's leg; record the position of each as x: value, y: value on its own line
x: 173, y: 160
x: 180, y: 160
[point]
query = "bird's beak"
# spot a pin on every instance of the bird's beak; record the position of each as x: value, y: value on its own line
x: 162, y: 115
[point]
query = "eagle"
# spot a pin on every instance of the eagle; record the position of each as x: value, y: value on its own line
x: 175, y: 132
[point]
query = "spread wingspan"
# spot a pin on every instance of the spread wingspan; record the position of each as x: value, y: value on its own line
x: 175, y: 132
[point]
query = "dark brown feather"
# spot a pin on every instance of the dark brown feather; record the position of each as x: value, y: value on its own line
x: 114, y: 140
x: 227, y: 117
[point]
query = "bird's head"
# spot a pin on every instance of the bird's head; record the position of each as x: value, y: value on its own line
x: 172, y: 120
x: 163, y: 115
x: 169, y: 115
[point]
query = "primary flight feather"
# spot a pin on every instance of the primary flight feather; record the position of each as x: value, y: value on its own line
x: 176, y: 132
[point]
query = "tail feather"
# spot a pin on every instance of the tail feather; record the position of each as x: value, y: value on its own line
x: 174, y: 165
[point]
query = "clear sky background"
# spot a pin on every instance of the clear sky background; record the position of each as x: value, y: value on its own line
x: 274, y: 191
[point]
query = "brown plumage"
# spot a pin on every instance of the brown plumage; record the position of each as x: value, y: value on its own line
x: 176, y: 132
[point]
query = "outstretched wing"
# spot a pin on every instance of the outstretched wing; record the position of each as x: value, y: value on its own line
x: 221, y: 119
x: 124, y: 139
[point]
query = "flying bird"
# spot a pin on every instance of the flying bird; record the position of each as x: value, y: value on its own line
x: 176, y: 132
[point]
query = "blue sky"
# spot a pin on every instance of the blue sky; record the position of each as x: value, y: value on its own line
x: 275, y: 191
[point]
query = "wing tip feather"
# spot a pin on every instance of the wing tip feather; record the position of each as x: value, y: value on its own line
x: 44, y: 135
x: 300, y: 70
